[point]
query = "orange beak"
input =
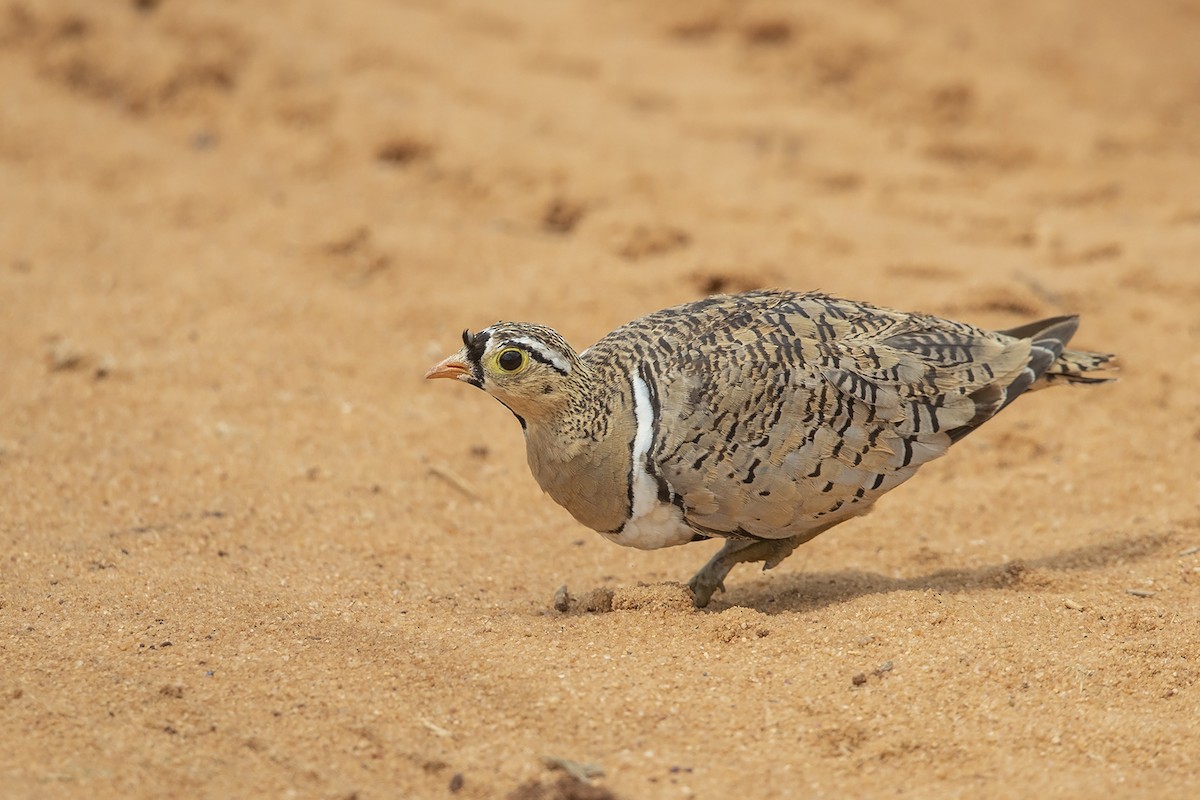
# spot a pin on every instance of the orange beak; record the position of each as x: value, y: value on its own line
x: 452, y: 367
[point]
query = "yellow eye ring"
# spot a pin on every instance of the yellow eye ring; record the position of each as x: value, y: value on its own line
x: 511, y: 359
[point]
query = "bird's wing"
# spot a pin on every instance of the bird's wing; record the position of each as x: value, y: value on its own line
x: 811, y: 413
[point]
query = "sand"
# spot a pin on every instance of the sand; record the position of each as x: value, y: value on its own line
x: 249, y: 552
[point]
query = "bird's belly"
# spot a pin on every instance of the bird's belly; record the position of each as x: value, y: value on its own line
x: 661, y: 525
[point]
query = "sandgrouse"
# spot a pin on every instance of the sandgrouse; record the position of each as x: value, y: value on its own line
x: 763, y: 418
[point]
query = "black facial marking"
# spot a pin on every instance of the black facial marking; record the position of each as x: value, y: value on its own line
x: 541, y: 359
x: 475, y: 346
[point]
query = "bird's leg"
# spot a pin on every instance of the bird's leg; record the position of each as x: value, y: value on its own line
x: 712, y: 575
x: 770, y: 551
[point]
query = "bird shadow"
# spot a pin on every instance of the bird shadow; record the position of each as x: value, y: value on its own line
x: 811, y: 591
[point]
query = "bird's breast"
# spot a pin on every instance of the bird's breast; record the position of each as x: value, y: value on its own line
x: 660, y: 526
x: 589, y: 477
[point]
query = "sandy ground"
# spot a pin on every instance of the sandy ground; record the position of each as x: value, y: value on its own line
x: 247, y: 551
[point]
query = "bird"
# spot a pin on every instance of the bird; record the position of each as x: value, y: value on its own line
x: 763, y: 418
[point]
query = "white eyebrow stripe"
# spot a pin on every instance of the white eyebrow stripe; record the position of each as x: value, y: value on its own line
x: 552, y: 357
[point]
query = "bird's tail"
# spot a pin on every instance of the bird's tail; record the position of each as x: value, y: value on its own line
x: 1073, y: 366
x: 1049, y: 338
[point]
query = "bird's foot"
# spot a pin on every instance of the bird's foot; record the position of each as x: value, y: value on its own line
x: 705, y: 582
x: 711, y: 576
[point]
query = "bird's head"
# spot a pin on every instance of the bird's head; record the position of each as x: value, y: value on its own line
x: 529, y: 368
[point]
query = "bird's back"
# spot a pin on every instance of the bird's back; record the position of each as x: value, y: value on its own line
x: 777, y: 413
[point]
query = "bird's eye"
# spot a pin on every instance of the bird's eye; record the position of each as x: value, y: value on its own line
x: 511, y: 360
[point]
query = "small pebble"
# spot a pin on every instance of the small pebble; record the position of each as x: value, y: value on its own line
x: 1140, y: 592
x: 1071, y: 604
x: 859, y: 679
x: 1191, y: 551
x: 562, y: 599
x: 456, y: 783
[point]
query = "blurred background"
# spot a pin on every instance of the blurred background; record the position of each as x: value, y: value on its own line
x: 233, y: 236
